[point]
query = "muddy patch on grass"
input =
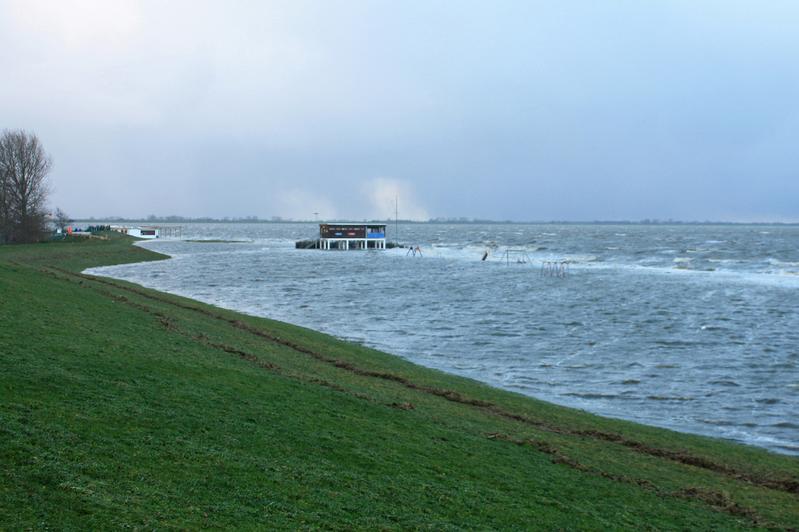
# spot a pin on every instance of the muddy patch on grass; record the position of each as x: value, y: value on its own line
x: 719, y: 501
x: 789, y: 485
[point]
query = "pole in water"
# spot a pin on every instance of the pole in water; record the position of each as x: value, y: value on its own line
x: 396, y: 219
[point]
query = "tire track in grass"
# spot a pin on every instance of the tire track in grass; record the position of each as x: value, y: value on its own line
x: 719, y: 501
x: 788, y: 485
x: 169, y: 324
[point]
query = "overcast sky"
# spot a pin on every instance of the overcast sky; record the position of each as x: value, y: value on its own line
x: 556, y: 110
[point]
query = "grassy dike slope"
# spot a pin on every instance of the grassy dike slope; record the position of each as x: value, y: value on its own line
x: 125, y: 407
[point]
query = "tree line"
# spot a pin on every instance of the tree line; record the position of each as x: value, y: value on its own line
x: 24, y: 166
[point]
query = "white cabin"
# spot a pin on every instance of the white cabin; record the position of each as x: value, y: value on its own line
x: 147, y: 232
x: 352, y: 236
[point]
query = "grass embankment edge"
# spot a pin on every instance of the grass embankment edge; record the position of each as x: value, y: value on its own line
x: 448, y: 451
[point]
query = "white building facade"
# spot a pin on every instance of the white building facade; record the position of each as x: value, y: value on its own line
x: 348, y: 236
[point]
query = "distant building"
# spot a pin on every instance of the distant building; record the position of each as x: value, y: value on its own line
x: 352, y: 236
x: 147, y: 232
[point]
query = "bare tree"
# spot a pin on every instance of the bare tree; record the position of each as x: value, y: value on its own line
x: 61, y: 219
x: 24, y: 166
x: 3, y: 203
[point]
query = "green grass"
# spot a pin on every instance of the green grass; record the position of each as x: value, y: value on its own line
x: 122, y: 407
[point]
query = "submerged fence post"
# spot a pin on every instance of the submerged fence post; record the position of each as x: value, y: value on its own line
x: 555, y: 268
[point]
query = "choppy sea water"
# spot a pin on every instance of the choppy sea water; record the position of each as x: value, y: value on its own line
x: 688, y: 327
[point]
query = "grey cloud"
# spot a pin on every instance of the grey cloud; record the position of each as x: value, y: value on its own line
x: 524, y: 110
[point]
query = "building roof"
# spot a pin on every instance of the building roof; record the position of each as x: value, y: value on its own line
x: 370, y: 224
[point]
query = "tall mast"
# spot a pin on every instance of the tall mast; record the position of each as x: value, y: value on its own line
x: 396, y: 219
